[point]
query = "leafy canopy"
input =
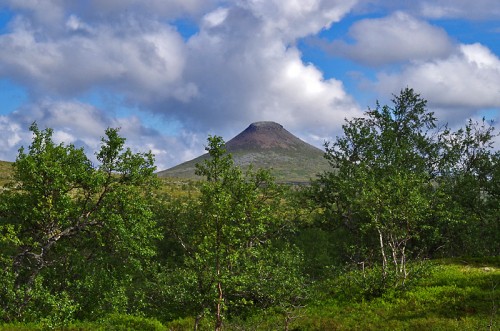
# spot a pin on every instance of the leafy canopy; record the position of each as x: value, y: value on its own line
x: 73, y: 228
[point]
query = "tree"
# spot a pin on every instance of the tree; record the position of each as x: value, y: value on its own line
x: 470, y: 179
x: 75, y: 230
x: 227, y: 235
x: 381, y: 186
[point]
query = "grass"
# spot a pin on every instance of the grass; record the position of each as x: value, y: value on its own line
x: 5, y: 172
x: 179, y: 187
x: 285, y: 165
x: 457, y: 294
x: 5, y: 169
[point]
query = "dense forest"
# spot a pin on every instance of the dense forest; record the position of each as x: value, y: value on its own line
x: 108, y: 244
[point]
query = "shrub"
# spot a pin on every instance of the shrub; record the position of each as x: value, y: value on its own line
x: 121, y: 322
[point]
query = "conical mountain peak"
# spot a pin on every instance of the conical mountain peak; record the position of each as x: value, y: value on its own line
x: 266, y: 145
x: 265, y: 135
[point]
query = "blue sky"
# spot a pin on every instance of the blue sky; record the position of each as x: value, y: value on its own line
x: 171, y: 72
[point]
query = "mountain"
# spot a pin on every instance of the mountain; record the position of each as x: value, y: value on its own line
x: 266, y: 145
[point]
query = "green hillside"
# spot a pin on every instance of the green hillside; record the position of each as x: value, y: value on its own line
x: 5, y: 171
x: 285, y: 165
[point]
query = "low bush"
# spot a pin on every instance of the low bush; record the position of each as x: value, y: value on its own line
x: 120, y: 322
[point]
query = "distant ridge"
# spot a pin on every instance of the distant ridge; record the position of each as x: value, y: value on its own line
x: 266, y: 145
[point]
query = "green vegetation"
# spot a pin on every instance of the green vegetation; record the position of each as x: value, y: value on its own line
x: 75, y: 237
x: 455, y: 294
x: 5, y: 172
x: 226, y: 235
x: 401, y: 233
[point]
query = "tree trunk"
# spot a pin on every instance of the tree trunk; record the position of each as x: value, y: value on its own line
x: 218, y: 310
x: 218, y: 314
x: 403, y: 263
x: 394, y: 250
x: 382, y: 251
x: 197, y: 322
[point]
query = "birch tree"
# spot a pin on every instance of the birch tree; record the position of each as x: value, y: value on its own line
x: 381, y: 183
x: 228, y: 236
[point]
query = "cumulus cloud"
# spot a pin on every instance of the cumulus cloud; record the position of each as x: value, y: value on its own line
x: 170, y: 9
x: 466, y: 81
x: 83, y: 125
x: 246, y: 70
x: 11, y: 135
x: 128, y: 58
x: 396, y: 38
x: 51, y: 13
x: 48, y: 13
x: 241, y: 66
x: 297, y: 18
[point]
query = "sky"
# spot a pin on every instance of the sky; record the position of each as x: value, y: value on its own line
x: 171, y: 72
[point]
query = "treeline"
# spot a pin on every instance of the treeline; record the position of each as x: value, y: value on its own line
x: 81, y: 241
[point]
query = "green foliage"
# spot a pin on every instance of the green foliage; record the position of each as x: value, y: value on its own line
x: 182, y: 324
x: 401, y: 189
x: 113, y: 322
x: 380, y: 189
x: 454, y: 295
x: 458, y: 294
x: 73, y: 233
x: 117, y: 322
x: 227, y: 237
x: 322, y: 251
x: 471, y: 181
x: 360, y: 283
x: 103, y: 246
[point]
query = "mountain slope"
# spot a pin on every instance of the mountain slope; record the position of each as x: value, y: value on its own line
x: 5, y: 171
x: 266, y: 145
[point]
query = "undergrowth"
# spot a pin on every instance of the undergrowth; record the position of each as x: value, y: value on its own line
x: 452, y: 294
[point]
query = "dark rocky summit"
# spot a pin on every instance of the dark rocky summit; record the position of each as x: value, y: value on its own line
x: 265, y: 135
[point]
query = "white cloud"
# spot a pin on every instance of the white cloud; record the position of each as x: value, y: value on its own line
x: 217, y: 17
x: 478, y: 9
x: 74, y: 24
x: 464, y: 82
x: 396, y: 38
x: 11, y: 134
x: 157, y: 8
x: 246, y: 71
x: 48, y: 13
x: 52, y: 13
x: 298, y: 18
x: 84, y: 125
x: 61, y: 136
x: 242, y: 66
x: 138, y: 61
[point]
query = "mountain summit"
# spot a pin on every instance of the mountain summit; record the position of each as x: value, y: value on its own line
x: 266, y: 145
x: 265, y: 135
